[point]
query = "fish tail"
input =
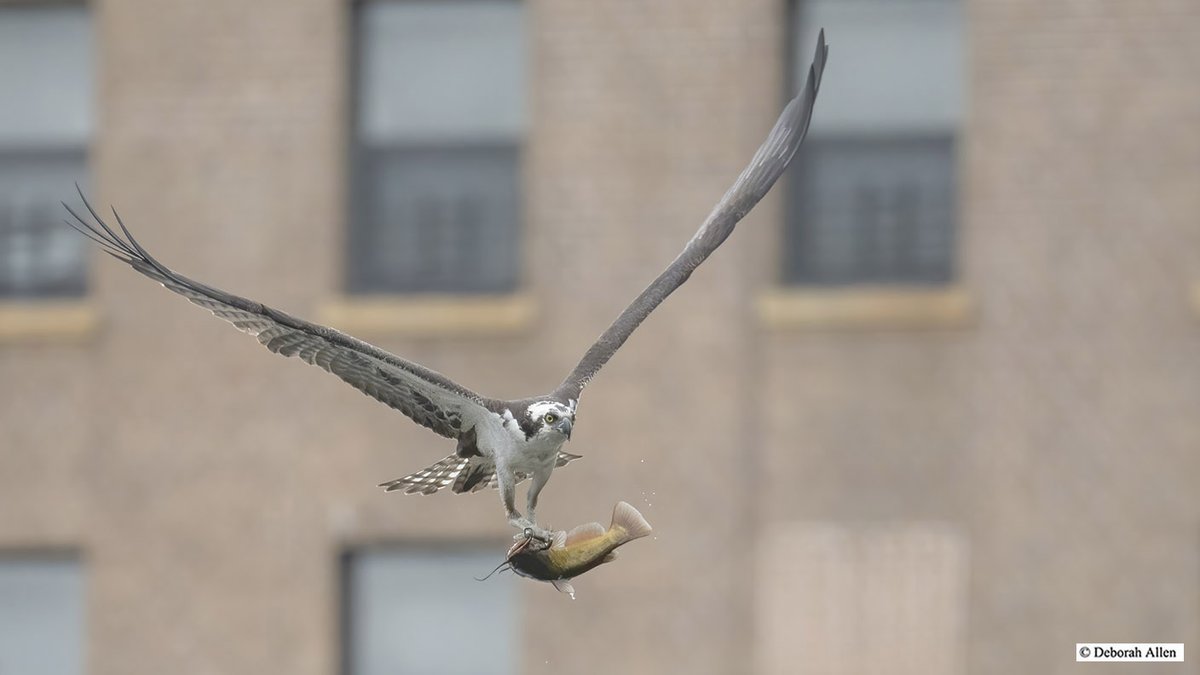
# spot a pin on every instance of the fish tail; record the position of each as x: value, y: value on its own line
x: 629, y: 519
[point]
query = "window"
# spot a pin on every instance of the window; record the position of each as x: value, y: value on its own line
x: 873, y: 197
x: 438, y: 129
x: 41, y: 615
x: 421, y: 611
x: 45, y: 123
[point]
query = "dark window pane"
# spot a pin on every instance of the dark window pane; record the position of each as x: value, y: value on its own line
x: 436, y: 219
x: 40, y: 256
x: 872, y: 211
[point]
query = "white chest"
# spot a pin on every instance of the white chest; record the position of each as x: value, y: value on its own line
x: 537, y: 452
x: 506, y: 443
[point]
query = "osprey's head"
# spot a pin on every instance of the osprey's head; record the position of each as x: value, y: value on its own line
x: 550, y: 417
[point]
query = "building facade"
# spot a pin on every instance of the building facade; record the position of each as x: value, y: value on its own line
x: 959, y: 439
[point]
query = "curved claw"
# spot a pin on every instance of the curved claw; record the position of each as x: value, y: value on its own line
x: 530, y: 531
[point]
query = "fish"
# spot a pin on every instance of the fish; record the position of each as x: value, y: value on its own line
x: 570, y: 554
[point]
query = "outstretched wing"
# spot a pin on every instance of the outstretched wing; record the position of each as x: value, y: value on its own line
x: 427, y: 397
x: 768, y: 163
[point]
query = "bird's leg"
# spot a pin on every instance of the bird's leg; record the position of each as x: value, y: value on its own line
x: 536, y: 483
x: 508, y: 492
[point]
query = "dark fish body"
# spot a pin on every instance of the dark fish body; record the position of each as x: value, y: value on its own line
x: 578, y: 551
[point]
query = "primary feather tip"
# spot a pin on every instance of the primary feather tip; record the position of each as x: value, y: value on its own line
x: 627, y: 517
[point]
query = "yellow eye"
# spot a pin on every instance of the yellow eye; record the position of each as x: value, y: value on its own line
x: 550, y: 418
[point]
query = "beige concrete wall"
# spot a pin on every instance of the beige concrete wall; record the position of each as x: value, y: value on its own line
x: 1057, y: 429
x: 1083, y: 241
x: 212, y: 486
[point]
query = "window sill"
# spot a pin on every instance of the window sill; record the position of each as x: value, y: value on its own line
x: 47, y: 321
x: 866, y: 308
x: 424, y: 316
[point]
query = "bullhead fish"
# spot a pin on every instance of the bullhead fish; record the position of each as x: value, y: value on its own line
x: 570, y: 554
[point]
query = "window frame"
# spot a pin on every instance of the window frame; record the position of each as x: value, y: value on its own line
x: 35, y: 319
x: 349, y: 301
x: 790, y: 273
x: 63, y: 146
x: 785, y: 307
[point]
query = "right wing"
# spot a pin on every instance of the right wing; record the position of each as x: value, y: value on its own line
x: 427, y: 397
x: 756, y: 179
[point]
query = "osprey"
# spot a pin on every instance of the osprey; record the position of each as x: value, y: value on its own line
x: 499, y: 443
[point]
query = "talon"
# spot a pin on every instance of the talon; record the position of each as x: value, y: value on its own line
x: 522, y: 524
x: 530, y: 530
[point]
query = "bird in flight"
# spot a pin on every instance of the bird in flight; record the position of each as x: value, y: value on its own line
x: 499, y: 443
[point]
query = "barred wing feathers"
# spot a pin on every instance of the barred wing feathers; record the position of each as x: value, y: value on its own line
x: 425, y: 396
x: 449, y: 472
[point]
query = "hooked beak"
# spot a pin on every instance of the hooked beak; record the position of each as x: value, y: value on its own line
x: 566, y: 427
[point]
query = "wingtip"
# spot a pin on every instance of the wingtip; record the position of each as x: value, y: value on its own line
x: 817, y: 68
x: 393, y: 485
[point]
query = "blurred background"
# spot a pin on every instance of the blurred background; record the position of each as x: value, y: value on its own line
x: 933, y: 408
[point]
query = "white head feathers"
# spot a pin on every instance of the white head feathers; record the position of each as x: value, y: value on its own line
x: 539, y: 409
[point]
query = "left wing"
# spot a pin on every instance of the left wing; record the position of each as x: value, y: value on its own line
x: 427, y: 397
x: 765, y: 167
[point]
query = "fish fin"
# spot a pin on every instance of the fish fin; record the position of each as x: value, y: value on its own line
x: 559, y: 540
x: 584, y: 533
x: 629, y: 518
x: 612, y: 555
x: 564, y: 586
